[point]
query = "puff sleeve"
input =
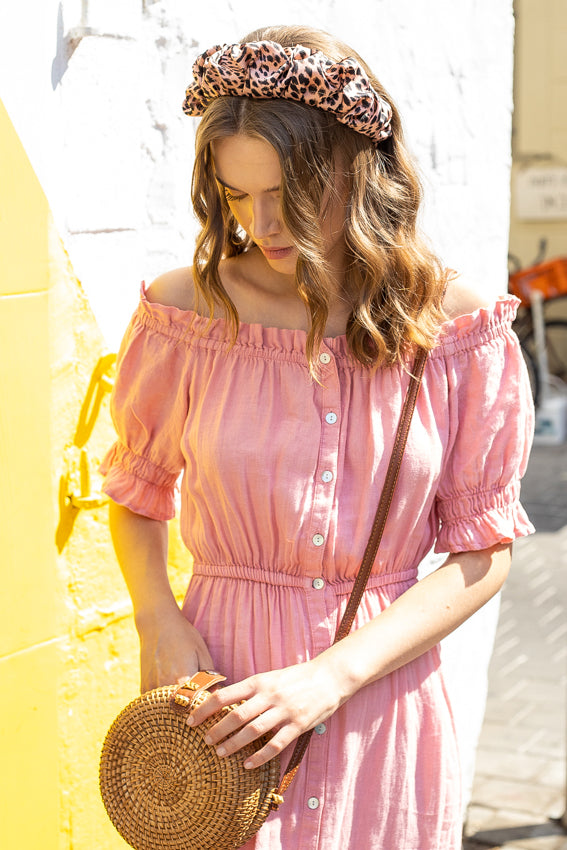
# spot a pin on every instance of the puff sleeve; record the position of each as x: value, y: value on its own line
x: 490, y: 428
x: 149, y: 405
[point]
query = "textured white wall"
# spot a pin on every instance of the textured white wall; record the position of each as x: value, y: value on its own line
x: 101, y: 120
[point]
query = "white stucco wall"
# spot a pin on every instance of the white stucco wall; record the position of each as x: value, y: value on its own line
x: 100, y: 117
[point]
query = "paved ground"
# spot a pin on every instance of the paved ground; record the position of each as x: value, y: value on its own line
x: 519, y: 792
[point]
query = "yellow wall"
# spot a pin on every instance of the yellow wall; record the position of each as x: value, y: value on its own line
x: 540, y: 113
x: 29, y: 609
x: 68, y: 649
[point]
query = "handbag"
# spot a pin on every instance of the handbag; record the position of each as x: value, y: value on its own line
x: 163, y: 787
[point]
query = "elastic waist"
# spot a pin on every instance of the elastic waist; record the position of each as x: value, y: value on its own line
x: 246, y: 573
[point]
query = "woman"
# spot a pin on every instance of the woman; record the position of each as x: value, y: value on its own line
x: 272, y: 374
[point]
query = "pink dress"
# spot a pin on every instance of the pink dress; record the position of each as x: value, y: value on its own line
x: 281, y: 480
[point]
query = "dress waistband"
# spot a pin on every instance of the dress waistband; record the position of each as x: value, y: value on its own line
x: 340, y: 586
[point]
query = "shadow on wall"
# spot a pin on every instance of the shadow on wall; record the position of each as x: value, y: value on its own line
x: 75, y: 485
x: 63, y: 52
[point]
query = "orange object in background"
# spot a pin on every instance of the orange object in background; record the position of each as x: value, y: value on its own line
x: 550, y: 278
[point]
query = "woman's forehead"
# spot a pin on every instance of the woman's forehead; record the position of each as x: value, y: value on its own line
x: 239, y: 159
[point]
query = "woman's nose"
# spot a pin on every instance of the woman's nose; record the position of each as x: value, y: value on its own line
x: 266, y: 219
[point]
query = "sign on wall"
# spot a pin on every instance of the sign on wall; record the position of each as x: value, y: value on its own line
x: 541, y: 193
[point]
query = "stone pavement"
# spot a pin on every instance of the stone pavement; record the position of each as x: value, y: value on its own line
x: 519, y: 790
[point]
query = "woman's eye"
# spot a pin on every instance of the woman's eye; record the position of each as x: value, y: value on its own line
x: 230, y: 197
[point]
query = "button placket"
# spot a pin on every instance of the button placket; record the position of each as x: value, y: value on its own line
x: 323, y: 499
x: 325, y: 488
x: 313, y: 783
x: 327, y: 397
x: 323, y: 494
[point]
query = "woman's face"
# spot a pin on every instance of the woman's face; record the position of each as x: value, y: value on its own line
x: 248, y: 173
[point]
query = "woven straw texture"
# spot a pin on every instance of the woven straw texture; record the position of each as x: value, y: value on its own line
x: 163, y: 787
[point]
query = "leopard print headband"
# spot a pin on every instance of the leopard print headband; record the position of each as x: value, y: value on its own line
x: 265, y: 69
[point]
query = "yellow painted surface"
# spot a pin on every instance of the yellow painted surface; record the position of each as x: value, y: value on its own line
x: 68, y: 647
x: 23, y: 234
x: 532, y: 116
x: 540, y: 114
x: 27, y: 601
x: 29, y: 794
x: 29, y: 778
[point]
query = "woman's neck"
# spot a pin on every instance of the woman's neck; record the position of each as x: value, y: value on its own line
x: 262, y: 295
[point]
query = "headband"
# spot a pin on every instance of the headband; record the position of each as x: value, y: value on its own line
x: 266, y: 70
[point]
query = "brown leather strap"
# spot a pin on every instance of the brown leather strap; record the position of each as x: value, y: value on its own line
x: 386, y: 499
x: 185, y: 693
x: 371, y: 547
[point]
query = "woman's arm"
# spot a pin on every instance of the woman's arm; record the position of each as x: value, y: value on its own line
x: 427, y: 612
x: 170, y: 647
x: 290, y: 701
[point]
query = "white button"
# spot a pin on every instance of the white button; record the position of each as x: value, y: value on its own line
x: 325, y: 358
x: 318, y: 539
x: 320, y: 728
x: 327, y: 476
x: 331, y: 418
x: 318, y: 583
x: 313, y: 803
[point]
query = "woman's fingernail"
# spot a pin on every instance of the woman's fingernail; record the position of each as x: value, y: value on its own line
x: 190, y: 721
x: 221, y: 751
x: 208, y: 740
x: 248, y: 765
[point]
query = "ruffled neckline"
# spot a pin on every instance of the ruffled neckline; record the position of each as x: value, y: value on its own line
x: 249, y: 334
x: 460, y: 333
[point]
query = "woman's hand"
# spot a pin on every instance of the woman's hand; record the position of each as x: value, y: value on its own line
x: 284, y: 703
x: 170, y: 649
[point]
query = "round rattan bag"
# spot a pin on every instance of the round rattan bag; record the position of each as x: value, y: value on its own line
x: 163, y: 787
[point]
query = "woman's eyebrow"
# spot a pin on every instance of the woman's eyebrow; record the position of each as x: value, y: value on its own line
x: 234, y: 189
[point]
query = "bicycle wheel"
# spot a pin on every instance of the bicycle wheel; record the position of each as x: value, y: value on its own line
x: 556, y: 345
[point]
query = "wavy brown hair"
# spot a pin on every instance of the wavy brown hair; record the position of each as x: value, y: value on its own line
x: 393, y: 282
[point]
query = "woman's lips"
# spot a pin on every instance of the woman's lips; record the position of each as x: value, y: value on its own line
x: 276, y: 253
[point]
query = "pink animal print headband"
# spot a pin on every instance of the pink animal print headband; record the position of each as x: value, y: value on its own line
x: 265, y: 70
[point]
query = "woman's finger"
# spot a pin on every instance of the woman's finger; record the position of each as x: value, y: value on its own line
x: 276, y: 745
x: 258, y: 726
x: 242, y: 715
x: 220, y: 698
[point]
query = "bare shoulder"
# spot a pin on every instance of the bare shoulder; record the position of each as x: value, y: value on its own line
x: 176, y: 288
x: 463, y: 297
x: 173, y: 289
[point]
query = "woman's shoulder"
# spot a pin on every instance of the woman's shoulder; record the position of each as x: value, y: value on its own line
x: 463, y: 298
x: 174, y: 288
x: 474, y: 315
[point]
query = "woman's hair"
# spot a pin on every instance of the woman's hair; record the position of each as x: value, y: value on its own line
x: 393, y: 282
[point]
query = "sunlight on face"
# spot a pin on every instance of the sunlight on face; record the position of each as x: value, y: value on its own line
x: 248, y: 173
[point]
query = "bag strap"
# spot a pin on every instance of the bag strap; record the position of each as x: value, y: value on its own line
x: 370, y: 552
x: 189, y: 689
